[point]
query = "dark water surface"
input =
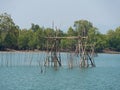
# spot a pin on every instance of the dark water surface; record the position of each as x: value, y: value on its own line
x: 105, y: 76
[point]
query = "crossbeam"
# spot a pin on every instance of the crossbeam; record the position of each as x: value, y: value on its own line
x: 72, y: 37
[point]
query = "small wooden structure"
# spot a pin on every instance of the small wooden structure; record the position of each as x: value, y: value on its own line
x: 86, y: 52
x: 84, y: 49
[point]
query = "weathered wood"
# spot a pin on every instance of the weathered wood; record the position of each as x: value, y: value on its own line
x: 84, y: 49
x: 55, y: 58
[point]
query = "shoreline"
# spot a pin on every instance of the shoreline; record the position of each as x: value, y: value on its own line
x: 110, y: 52
x: 11, y: 50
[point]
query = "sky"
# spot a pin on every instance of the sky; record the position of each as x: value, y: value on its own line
x: 104, y: 14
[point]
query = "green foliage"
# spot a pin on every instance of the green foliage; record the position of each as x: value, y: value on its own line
x: 71, y: 32
x: 49, y: 32
x: 8, y: 32
x: 68, y: 44
x: 35, y: 37
x: 59, y: 33
x: 39, y: 39
x: 101, y: 42
x: 114, y: 39
x: 34, y: 27
x: 6, y: 22
x: 23, y: 39
x: 82, y: 27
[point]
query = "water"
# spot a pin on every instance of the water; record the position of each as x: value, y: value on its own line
x: 105, y: 76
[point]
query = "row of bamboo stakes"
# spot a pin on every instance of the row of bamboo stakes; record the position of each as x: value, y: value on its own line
x: 11, y: 59
x: 21, y: 58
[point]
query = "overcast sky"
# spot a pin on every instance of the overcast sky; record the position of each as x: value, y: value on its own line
x: 104, y: 14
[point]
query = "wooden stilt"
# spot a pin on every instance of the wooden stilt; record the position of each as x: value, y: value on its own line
x: 84, y: 49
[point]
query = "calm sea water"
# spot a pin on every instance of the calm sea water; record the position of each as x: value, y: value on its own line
x: 20, y: 71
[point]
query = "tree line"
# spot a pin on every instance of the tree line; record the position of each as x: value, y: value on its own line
x: 12, y: 37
